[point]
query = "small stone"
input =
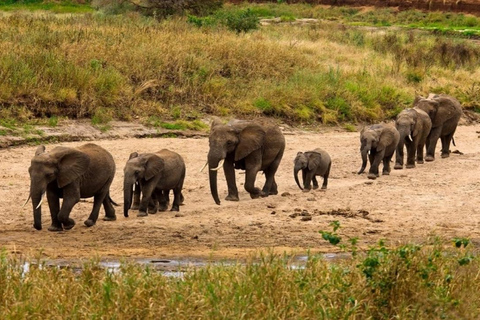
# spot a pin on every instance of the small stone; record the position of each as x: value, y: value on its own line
x: 179, y: 215
x: 306, y: 218
x: 286, y: 194
x: 195, y: 237
x: 293, y: 215
x: 271, y: 206
x: 273, y: 212
x: 311, y: 199
x: 368, y: 182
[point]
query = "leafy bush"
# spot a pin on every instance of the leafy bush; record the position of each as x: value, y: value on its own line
x: 242, y: 21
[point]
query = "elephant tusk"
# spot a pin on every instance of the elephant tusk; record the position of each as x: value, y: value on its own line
x: 41, y: 201
x: 220, y: 164
x: 26, y: 201
x: 410, y: 138
x: 204, y: 166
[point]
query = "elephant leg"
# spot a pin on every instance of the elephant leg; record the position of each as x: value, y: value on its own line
x: 153, y: 205
x: 309, y: 176
x: 325, y: 177
x: 377, y: 158
x: 97, y: 203
x: 71, y: 195
x: 420, y: 147
x: 177, y: 195
x: 399, y: 157
x: 147, y: 190
x: 270, y: 176
x: 432, y: 143
x: 446, y: 145
x: 54, y: 206
x: 250, y: 177
x: 109, y: 209
x: 229, y: 171
x: 136, y: 197
x: 386, y: 165
x: 411, y: 148
x: 274, y: 188
x: 315, y: 182
x: 163, y: 200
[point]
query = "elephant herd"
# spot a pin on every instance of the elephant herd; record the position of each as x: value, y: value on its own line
x: 88, y: 171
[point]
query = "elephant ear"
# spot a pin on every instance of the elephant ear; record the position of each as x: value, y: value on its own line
x: 215, y: 122
x: 153, y: 166
x: 72, y: 164
x: 133, y: 155
x: 251, y: 138
x: 417, y: 99
x: 314, y: 159
x: 415, y: 128
x: 40, y: 150
x: 386, y: 137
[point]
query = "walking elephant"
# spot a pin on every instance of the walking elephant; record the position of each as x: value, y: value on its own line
x: 252, y: 146
x: 312, y: 163
x: 71, y: 174
x: 379, y: 143
x: 414, y: 126
x: 445, y: 112
x: 156, y: 174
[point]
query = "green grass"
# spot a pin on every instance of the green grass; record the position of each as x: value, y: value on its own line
x: 54, y: 7
x: 430, y: 281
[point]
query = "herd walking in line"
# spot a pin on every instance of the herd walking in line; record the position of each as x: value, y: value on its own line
x: 253, y: 146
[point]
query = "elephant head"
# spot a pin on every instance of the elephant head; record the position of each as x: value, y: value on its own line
x: 370, y: 139
x: 406, y: 125
x: 139, y: 167
x: 63, y: 165
x: 307, y: 160
x: 234, y: 141
x: 440, y: 108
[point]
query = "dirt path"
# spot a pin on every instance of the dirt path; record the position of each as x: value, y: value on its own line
x: 439, y: 198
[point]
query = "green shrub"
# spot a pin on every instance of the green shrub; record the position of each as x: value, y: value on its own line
x: 242, y: 21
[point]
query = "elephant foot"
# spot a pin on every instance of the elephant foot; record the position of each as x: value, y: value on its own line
x: 163, y: 208
x: 69, y: 225
x: 89, y: 223
x: 324, y: 187
x: 109, y: 218
x: 398, y: 166
x: 420, y: 162
x: 135, y: 206
x: 410, y: 166
x: 306, y: 190
x: 372, y: 176
x: 175, y: 208
x: 445, y: 155
x: 232, y: 198
x: 142, y: 214
x: 315, y: 187
x: 55, y: 228
x: 273, y: 192
x: 386, y: 173
x: 429, y: 158
x: 152, y: 210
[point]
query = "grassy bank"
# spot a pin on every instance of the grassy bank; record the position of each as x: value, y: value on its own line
x: 105, y: 67
x: 411, y: 281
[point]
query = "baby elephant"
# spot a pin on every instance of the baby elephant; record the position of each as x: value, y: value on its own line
x: 379, y: 143
x: 312, y: 163
x: 156, y: 174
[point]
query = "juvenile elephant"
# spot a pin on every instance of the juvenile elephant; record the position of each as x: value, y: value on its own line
x: 71, y: 174
x: 414, y: 126
x: 252, y: 146
x: 312, y: 163
x: 445, y: 112
x: 156, y: 174
x: 379, y: 143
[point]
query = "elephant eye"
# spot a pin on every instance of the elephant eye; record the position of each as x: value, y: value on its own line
x: 229, y: 142
x: 137, y: 172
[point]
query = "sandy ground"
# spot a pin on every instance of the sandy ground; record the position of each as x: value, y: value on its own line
x: 438, y: 198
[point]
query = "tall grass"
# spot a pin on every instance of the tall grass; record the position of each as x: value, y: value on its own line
x: 411, y: 281
x: 131, y: 65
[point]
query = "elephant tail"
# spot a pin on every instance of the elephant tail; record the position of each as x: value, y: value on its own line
x: 112, y: 202
x: 453, y: 141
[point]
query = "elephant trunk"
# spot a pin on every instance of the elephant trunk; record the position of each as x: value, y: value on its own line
x: 37, y: 199
x: 213, y: 163
x: 127, y: 197
x: 364, y: 152
x: 295, y: 173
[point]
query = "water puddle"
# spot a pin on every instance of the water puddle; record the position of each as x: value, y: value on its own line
x: 169, y: 267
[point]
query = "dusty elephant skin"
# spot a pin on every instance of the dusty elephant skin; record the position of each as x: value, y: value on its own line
x: 156, y: 174
x: 414, y: 126
x: 312, y: 163
x: 378, y: 142
x: 247, y: 145
x: 445, y: 112
x: 71, y: 174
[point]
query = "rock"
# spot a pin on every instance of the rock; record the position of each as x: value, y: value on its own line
x: 271, y: 206
x: 179, y: 215
x: 273, y: 212
x: 286, y: 194
x: 306, y: 218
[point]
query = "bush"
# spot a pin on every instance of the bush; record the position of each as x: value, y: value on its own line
x: 242, y: 21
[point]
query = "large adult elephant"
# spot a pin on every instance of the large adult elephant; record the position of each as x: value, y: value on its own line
x: 71, y: 174
x: 445, y: 112
x: 378, y: 142
x: 252, y: 146
x: 155, y: 174
x: 414, y: 126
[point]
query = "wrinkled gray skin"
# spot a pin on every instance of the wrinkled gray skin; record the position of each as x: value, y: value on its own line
x: 414, y: 126
x: 378, y: 142
x: 155, y: 175
x: 445, y: 112
x: 71, y: 174
x: 252, y: 146
x: 312, y: 163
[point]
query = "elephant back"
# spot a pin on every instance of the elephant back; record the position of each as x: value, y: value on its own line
x: 100, y: 159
